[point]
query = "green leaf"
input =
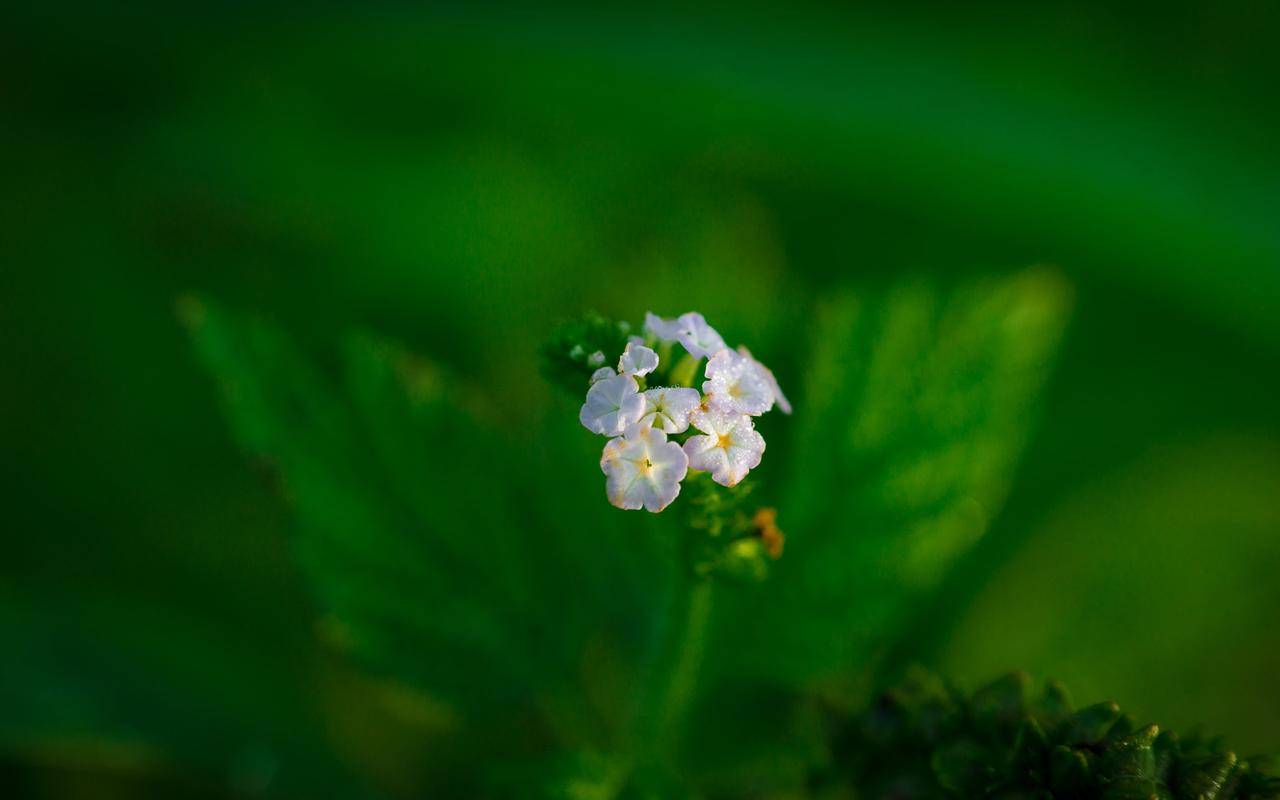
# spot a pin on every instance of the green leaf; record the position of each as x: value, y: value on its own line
x: 405, y: 530
x: 917, y: 404
x: 433, y: 529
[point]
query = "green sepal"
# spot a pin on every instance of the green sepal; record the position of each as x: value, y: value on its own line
x: 1130, y: 764
x: 1090, y: 725
x: 566, y: 356
x: 1069, y: 771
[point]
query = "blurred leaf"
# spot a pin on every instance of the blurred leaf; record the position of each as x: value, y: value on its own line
x: 404, y: 529
x: 436, y: 537
x: 917, y: 404
x: 570, y: 775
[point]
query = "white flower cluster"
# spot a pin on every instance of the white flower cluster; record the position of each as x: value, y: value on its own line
x: 642, y: 468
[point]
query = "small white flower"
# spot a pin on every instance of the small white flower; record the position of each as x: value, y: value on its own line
x: 602, y: 373
x: 730, y: 448
x: 767, y: 374
x: 699, y: 338
x: 668, y: 408
x: 691, y: 330
x: 735, y: 386
x: 637, y: 360
x: 612, y: 405
x: 595, y: 359
x: 643, y: 469
x: 664, y: 329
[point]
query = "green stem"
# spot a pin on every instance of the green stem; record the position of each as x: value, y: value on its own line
x: 683, y: 373
x: 674, y: 675
x: 683, y: 676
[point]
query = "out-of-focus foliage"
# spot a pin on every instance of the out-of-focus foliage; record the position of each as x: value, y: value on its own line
x: 924, y: 739
x: 458, y: 179
x: 1172, y: 556
x: 402, y: 501
x: 410, y: 495
x: 431, y: 564
x: 918, y: 402
x: 567, y: 353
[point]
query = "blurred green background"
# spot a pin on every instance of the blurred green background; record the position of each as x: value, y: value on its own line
x: 459, y: 178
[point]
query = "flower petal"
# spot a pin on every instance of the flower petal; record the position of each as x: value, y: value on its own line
x: 668, y: 407
x: 735, y: 386
x: 710, y: 420
x: 690, y: 330
x: 664, y: 329
x: 637, y: 360
x: 643, y: 469
x: 729, y: 450
x: 783, y: 403
x: 699, y: 338
x: 612, y: 405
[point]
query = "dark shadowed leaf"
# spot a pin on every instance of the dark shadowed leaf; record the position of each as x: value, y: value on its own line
x: 403, y: 529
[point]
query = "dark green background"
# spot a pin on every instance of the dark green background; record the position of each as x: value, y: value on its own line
x: 459, y: 179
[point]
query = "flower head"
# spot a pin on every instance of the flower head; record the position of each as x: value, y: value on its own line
x: 691, y: 330
x: 668, y: 408
x: 735, y: 386
x: 612, y: 405
x: 658, y: 435
x: 637, y: 360
x: 729, y: 448
x: 643, y: 469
